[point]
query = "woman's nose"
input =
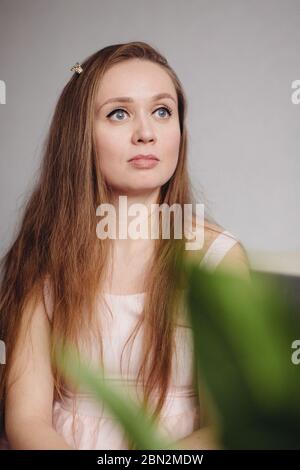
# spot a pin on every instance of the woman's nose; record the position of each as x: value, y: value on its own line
x: 144, y: 130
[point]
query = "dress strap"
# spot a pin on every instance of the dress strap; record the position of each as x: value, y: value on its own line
x: 218, y: 249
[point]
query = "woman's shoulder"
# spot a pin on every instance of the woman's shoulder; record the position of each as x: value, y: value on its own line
x: 210, y: 233
x: 218, y: 237
x: 221, y: 248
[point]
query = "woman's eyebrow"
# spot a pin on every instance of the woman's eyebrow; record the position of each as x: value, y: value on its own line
x: 127, y: 99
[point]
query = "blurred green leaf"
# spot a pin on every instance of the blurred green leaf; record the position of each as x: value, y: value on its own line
x: 243, y: 334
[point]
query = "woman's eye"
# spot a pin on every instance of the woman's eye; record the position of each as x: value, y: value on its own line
x: 165, y: 109
x: 120, y: 111
x: 115, y: 112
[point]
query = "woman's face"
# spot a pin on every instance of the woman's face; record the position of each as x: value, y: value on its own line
x: 142, y: 126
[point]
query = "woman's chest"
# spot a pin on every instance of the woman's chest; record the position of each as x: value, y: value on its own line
x: 126, y: 275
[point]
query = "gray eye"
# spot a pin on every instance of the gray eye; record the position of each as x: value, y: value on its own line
x: 165, y: 110
x: 116, y: 112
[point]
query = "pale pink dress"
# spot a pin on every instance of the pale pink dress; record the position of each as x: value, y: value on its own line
x: 94, y: 426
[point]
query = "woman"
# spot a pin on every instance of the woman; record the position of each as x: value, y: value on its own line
x: 57, y: 269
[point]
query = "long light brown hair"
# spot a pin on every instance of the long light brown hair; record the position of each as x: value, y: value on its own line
x: 57, y: 236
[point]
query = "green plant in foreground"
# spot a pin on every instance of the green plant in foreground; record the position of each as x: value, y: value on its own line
x: 242, y: 340
x: 243, y: 335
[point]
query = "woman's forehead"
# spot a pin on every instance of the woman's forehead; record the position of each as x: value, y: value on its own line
x: 140, y: 80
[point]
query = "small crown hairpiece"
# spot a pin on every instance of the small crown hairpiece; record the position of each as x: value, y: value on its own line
x: 77, y: 68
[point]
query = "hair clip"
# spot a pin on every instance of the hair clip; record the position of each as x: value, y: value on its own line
x: 77, y: 68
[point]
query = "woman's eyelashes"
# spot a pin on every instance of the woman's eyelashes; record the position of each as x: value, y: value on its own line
x: 120, y: 110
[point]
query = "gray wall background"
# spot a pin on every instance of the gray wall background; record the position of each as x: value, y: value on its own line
x: 236, y: 60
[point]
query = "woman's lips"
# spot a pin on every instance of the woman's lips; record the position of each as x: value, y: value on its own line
x: 144, y: 162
